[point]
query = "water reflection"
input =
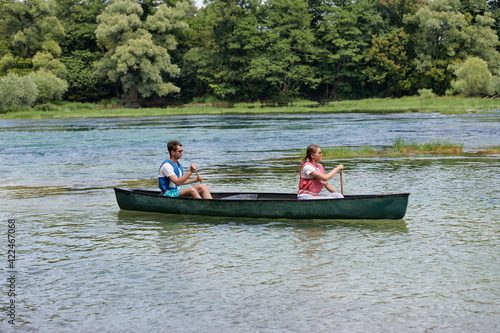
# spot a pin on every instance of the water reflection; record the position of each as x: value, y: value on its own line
x: 168, y: 221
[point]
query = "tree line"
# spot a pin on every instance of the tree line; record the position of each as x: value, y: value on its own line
x: 158, y: 52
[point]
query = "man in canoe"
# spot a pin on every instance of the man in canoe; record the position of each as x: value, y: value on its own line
x: 313, y: 177
x: 171, y: 176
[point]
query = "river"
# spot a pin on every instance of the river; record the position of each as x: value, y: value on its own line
x: 83, y: 265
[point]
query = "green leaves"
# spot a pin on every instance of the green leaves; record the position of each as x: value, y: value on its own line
x: 16, y: 91
x: 31, y: 25
x: 474, y: 78
x: 136, y: 57
x: 248, y: 50
x: 445, y: 36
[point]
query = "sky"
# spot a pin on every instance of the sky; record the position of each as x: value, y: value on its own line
x: 199, y: 3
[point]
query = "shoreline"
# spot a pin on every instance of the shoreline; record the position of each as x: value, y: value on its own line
x: 442, y: 105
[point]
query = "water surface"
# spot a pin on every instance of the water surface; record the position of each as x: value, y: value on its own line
x: 83, y: 265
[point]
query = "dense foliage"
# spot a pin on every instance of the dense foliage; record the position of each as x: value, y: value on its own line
x: 168, y: 51
x: 17, y: 91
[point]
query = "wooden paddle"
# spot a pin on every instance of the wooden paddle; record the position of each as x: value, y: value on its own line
x: 341, y: 183
x: 198, y: 175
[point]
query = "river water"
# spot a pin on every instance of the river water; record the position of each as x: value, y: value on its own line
x: 82, y: 265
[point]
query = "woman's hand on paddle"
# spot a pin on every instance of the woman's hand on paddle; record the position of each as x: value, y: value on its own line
x: 329, y: 175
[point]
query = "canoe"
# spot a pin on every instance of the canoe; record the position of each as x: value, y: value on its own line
x: 268, y: 205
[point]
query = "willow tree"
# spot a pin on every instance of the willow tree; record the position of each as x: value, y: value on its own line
x: 137, y: 51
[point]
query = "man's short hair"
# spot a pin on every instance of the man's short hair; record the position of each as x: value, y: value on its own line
x: 172, y: 146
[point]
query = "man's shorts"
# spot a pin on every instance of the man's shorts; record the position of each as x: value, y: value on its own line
x: 172, y: 193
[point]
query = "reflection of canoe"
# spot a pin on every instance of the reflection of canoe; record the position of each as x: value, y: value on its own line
x: 268, y: 205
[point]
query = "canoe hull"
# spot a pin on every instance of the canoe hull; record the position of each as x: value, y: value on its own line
x: 268, y: 205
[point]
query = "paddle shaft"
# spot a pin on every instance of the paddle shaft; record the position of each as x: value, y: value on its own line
x: 198, y: 175
x: 341, y: 183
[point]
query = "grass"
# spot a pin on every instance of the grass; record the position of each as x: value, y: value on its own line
x: 446, y: 105
x: 403, y: 147
x: 343, y: 152
x: 489, y: 150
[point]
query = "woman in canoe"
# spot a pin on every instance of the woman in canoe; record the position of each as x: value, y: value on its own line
x: 313, y: 177
x: 171, y: 176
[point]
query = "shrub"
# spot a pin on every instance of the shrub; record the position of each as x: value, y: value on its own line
x: 426, y: 93
x: 474, y: 78
x: 17, y: 91
x: 46, y: 107
x: 50, y: 87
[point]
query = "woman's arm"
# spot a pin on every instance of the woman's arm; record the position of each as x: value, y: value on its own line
x: 330, y: 187
x: 328, y: 176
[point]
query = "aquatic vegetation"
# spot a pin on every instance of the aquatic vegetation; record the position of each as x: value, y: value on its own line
x: 434, y: 147
x: 489, y: 150
x: 402, y: 147
x: 344, y: 152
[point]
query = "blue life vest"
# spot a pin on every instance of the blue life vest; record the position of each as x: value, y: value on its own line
x: 164, y: 182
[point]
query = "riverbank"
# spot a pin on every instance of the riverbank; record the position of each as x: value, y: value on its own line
x: 444, y: 105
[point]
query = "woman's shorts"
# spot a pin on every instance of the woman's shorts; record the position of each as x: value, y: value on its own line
x: 304, y: 196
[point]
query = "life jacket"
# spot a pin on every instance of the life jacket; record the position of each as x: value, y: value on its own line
x: 164, y: 182
x: 311, y: 186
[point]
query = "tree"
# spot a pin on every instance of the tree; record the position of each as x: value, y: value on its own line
x: 137, y: 52
x: 79, y: 19
x: 17, y: 65
x: 482, y: 42
x: 388, y: 62
x: 228, y: 38
x: 45, y: 61
x: 393, y: 11
x: 285, y: 61
x: 83, y: 86
x: 33, y: 31
x: 32, y: 26
x: 494, y: 9
x: 474, y: 78
x: 437, y: 39
x: 80, y: 49
x: 443, y: 37
x: 344, y: 35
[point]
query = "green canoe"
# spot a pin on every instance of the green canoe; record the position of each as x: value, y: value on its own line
x: 268, y: 205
